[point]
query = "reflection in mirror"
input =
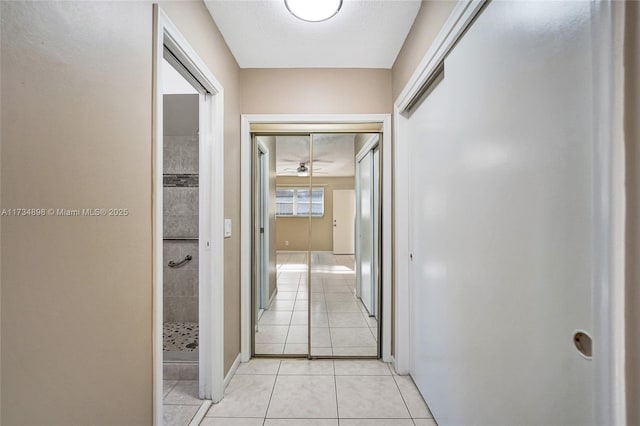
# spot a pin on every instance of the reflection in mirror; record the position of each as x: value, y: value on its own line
x: 341, y: 325
x: 281, y: 310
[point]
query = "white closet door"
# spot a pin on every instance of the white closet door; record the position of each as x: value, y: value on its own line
x: 344, y: 210
x: 366, y: 232
x: 501, y: 199
x: 375, y: 212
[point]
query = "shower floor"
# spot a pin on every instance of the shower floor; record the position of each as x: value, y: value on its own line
x: 180, y: 337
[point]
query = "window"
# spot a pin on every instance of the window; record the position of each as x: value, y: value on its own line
x: 294, y: 202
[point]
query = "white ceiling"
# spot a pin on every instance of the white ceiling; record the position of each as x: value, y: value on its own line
x: 333, y: 155
x: 364, y: 34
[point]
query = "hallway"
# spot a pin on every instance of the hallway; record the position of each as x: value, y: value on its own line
x: 340, y: 325
x: 177, y: 176
x: 292, y: 392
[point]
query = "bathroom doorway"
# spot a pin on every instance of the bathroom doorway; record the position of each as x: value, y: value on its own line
x: 181, y: 248
x: 188, y: 237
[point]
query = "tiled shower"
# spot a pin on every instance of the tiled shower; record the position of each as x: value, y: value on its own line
x: 180, y: 228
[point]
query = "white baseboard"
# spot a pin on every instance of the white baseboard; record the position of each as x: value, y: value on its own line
x: 202, y: 411
x: 399, y: 373
x: 232, y: 371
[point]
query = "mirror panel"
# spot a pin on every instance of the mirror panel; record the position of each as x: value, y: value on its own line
x: 341, y: 326
x: 281, y: 312
x: 316, y: 234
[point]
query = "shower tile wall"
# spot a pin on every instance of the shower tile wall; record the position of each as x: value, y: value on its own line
x: 180, y: 208
x: 181, y: 284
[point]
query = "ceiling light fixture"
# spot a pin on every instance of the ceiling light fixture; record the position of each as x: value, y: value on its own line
x: 313, y: 10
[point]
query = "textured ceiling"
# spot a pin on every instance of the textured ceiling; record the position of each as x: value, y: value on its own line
x: 333, y: 155
x: 364, y: 34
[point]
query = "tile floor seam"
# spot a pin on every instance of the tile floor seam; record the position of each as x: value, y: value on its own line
x: 403, y: 400
x: 335, y: 384
x: 275, y: 380
x: 172, y: 386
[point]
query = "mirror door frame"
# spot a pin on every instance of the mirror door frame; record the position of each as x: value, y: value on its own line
x: 309, y: 121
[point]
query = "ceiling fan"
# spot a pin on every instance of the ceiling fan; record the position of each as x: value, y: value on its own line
x: 303, y: 170
x: 291, y: 160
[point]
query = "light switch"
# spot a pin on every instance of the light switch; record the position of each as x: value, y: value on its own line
x: 227, y: 228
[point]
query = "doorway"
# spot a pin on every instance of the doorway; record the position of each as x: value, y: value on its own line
x: 306, y: 124
x: 188, y: 265
x: 310, y: 306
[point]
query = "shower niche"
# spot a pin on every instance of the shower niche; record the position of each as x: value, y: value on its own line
x: 180, y: 236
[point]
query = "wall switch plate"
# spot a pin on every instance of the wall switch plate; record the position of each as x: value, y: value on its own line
x: 227, y: 228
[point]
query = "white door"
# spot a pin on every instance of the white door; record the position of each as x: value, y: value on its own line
x: 501, y: 230
x: 375, y: 215
x: 365, y: 229
x: 344, y: 212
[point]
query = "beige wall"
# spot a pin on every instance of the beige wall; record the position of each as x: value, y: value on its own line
x: 632, y: 130
x: 1, y: 204
x: 430, y: 19
x: 76, y: 133
x: 195, y: 23
x: 316, y: 91
x: 296, y: 229
x: 76, y: 115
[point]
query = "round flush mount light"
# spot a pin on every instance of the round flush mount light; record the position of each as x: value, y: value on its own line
x: 313, y: 10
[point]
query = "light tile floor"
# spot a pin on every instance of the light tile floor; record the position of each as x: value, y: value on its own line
x: 294, y: 392
x: 180, y: 402
x: 340, y: 324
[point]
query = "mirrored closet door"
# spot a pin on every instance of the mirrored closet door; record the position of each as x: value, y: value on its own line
x: 281, y: 244
x: 341, y: 324
x: 316, y: 244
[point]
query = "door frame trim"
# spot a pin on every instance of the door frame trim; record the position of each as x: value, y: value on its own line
x: 245, y: 213
x: 211, y: 212
x: 609, y: 165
